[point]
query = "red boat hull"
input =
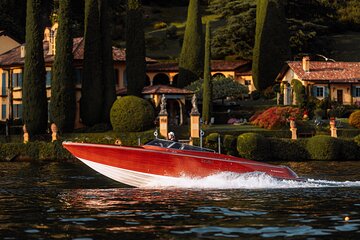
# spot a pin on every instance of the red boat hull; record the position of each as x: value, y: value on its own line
x: 167, y: 162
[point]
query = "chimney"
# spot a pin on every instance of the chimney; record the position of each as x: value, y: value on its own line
x: 22, y: 51
x: 306, y: 63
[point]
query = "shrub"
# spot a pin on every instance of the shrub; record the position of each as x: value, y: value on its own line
x: 34, y: 151
x: 253, y: 146
x: 299, y: 91
x: 319, y: 113
x: 276, y: 117
x: 255, y: 95
x: 357, y: 140
x: 354, y: 119
x: 211, y: 141
x: 323, y: 147
x: 288, y: 149
x: 269, y: 92
x: 350, y: 150
x: 132, y: 114
x: 229, y: 144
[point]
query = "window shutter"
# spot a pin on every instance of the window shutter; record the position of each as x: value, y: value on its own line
x: 3, y: 111
x: 3, y: 86
x: 353, y: 91
x: 48, y: 78
x: 326, y: 91
x: 314, y: 90
x: 14, y: 84
x: 20, y: 76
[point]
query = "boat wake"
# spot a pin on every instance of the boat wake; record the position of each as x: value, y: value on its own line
x: 254, y: 180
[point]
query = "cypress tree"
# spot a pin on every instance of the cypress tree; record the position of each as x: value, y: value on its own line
x: 34, y: 89
x: 63, y: 103
x: 191, y: 62
x: 107, y: 61
x: 91, y: 103
x: 207, y: 88
x: 135, y: 49
x: 271, y: 42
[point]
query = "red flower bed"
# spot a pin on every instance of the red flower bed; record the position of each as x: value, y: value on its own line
x: 276, y: 117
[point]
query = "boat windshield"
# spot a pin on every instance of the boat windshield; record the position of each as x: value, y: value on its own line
x: 177, y: 145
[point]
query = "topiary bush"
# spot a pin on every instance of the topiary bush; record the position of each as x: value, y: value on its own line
x: 211, y: 141
x: 354, y: 119
x: 229, y: 144
x: 253, y: 146
x: 350, y: 150
x: 288, y: 150
x: 323, y: 147
x: 131, y: 114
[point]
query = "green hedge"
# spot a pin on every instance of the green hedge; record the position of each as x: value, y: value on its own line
x: 211, y: 141
x: 347, y: 133
x: 323, y: 147
x: 41, y: 150
x: 288, y: 150
x: 34, y: 151
x: 253, y: 146
x: 229, y: 145
x: 350, y: 150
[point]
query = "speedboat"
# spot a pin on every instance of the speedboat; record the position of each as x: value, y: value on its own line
x: 163, y: 160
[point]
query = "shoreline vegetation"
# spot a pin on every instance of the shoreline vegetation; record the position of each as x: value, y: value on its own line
x: 251, y: 145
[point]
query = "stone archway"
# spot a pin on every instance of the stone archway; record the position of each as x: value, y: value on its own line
x: 175, y: 80
x: 147, y: 80
x: 161, y: 78
x: 218, y: 75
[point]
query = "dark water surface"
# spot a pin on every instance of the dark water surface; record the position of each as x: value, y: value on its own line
x: 70, y: 201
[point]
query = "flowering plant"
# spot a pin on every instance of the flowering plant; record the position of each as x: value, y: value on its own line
x: 276, y: 117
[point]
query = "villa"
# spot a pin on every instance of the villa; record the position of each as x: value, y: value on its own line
x: 12, y: 67
x: 339, y: 81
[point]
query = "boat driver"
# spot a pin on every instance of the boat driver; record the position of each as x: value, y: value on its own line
x: 171, y: 136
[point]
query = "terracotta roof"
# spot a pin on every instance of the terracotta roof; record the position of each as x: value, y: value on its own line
x: 216, y: 65
x: 158, y: 89
x: 12, y: 57
x: 328, y: 71
x: 163, y: 67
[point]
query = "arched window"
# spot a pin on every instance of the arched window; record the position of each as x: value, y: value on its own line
x: 161, y: 78
x: 218, y: 75
x: 175, y: 80
x: 147, y: 80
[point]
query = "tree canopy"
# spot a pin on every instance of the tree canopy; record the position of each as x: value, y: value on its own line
x: 191, y: 62
x: 135, y: 49
x: 63, y: 103
x: 272, y: 47
x: 34, y: 89
x: 236, y: 37
x: 222, y: 87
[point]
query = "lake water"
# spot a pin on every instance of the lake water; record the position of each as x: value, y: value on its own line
x: 70, y: 201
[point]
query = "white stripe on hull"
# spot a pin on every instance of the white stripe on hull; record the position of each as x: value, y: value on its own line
x: 132, y: 178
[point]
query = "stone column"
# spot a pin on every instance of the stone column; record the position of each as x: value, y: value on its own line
x: 163, y: 117
x: 194, y: 121
x: 333, y: 128
x: 26, y: 134
x: 286, y: 94
x: 54, y: 134
x: 293, y: 129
